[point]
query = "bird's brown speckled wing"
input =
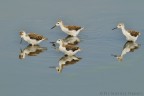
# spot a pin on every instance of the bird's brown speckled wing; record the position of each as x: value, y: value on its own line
x: 35, y: 36
x: 134, y: 33
x: 73, y: 27
x: 71, y: 47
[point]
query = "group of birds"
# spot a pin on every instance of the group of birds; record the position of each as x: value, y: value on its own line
x: 67, y: 48
x: 70, y: 48
x: 67, y: 45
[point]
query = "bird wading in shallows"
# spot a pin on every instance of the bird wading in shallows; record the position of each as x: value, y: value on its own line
x: 70, y: 30
x: 130, y: 35
x: 32, y: 38
x: 68, y: 49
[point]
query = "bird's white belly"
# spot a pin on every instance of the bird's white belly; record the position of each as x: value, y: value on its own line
x: 129, y: 37
x: 70, y: 32
x: 34, y: 42
x: 62, y: 49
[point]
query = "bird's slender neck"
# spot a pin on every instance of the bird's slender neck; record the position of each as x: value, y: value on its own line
x: 123, y: 29
x: 62, y: 25
x: 24, y: 35
x: 62, y: 44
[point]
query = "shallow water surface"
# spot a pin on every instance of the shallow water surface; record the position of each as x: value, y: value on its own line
x: 33, y: 71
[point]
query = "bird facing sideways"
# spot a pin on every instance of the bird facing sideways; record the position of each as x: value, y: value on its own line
x: 70, y: 30
x: 68, y: 49
x: 130, y: 35
x: 32, y: 38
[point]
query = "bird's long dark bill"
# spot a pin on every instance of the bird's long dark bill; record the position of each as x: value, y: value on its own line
x: 53, y: 26
x: 114, y: 28
x: 21, y: 41
x: 53, y: 44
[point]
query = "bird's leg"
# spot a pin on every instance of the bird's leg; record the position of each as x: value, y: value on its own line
x: 21, y: 41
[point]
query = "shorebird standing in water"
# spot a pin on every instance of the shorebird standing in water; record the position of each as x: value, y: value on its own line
x: 68, y: 49
x: 70, y: 30
x: 130, y: 35
x: 32, y: 38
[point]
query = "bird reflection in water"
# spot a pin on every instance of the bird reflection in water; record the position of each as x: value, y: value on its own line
x: 128, y: 47
x: 71, y: 40
x: 66, y: 61
x: 31, y: 51
x: 68, y: 40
